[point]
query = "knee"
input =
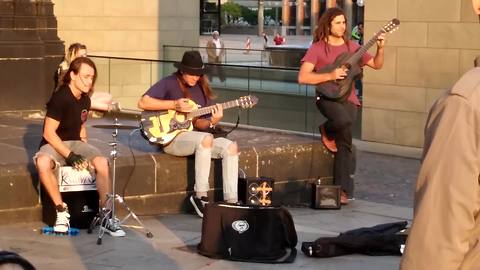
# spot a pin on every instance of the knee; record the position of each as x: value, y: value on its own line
x: 343, y: 123
x: 44, y: 163
x: 233, y: 149
x: 207, y: 141
x: 100, y: 164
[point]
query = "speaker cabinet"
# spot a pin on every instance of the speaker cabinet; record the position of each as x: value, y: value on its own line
x: 325, y: 196
x: 255, y: 191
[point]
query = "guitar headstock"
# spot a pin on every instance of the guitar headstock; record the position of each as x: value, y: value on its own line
x: 247, y: 101
x: 391, y: 26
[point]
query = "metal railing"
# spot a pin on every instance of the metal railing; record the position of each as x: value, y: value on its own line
x: 283, y: 103
x: 276, y: 56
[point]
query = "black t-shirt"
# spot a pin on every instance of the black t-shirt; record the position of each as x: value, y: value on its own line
x: 69, y: 111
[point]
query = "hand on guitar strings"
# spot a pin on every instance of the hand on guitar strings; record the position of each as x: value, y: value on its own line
x: 339, y: 73
x: 217, y: 114
x: 183, y: 105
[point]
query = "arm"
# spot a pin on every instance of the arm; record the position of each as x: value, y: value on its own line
x: 222, y: 51
x: 152, y: 104
x: 50, y: 135
x: 377, y: 61
x: 211, y: 50
x: 83, y: 133
x: 204, y: 124
x: 307, y: 75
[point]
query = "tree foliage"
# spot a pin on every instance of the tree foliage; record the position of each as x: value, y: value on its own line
x: 230, y: 12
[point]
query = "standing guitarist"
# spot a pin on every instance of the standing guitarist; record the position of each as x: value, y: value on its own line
x: 175, y: 93
x: 330, y: 41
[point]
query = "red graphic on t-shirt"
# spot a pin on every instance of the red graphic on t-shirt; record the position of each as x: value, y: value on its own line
x: 84, y: 116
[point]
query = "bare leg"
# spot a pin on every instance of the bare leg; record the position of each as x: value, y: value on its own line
x: 103, y: 179
x: 45, y: 166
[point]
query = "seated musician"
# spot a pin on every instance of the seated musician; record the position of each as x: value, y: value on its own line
x: 64, y: 140
x: 175, y: 92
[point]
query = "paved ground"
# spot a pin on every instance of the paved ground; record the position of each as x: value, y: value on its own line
x: 384, y: 184
x: 175, y: 238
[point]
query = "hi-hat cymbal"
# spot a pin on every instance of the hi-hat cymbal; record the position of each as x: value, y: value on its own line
x: 115, y: 126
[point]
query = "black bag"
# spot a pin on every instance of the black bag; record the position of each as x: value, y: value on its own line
x: 246, y: 233
x: 378, y: 240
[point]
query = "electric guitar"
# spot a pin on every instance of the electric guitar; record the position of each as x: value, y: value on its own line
x: 339, y: 89
x: 162, y: 127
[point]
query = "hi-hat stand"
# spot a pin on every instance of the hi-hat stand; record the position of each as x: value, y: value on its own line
x: 107, y: 214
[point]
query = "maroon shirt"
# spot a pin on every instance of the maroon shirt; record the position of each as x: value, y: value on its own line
x: 320, y: 57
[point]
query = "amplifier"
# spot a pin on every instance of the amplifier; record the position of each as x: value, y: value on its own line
x: 255, y: 191
x: 325, y: 196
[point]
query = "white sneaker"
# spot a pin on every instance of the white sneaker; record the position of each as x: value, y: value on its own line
x: 199, y: 204
x: 63, y: 220
x: 112, y: 228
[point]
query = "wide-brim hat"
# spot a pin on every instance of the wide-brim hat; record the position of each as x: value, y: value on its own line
x: 191, y: 63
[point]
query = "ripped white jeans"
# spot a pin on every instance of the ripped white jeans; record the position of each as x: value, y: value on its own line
x: 188, y: 143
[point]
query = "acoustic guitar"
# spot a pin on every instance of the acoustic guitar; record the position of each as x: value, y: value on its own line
x: 340, y: 89
x: 162, y: 127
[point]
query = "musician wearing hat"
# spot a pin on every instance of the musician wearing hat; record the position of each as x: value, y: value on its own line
x: 176, y: 92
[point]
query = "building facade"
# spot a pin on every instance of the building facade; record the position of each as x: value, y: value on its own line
x: 436, y: 43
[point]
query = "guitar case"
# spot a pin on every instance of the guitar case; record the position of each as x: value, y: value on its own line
x: 248, y: 233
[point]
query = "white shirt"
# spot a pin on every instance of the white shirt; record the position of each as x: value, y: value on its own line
x: 218, y: 45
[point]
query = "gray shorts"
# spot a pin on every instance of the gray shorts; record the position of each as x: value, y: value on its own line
x: 79, y: 147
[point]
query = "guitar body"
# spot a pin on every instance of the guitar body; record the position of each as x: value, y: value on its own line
x: 163, y: 126
x: 339, y: 89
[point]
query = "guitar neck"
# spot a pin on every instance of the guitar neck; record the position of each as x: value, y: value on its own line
x: 207, y: 110
x: 356, y: 57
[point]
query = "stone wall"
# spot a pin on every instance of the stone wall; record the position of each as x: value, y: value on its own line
x: 436, y: 43
x: 126, y: 28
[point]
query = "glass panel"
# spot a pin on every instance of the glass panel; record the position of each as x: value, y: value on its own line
x: 283, y: 103
x: 210, y: 6
x: 209, y: 23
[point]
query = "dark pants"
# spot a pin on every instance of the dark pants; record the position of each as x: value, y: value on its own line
x: 340, y: 118
x: 216, y: 69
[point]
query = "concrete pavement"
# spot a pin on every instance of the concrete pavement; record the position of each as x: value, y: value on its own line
x: 175, y: 238
x: 384, y: 191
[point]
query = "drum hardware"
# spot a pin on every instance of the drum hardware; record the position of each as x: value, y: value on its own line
x: 112, y: 197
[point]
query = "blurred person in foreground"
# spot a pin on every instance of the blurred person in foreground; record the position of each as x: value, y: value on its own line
x: 445, y: 233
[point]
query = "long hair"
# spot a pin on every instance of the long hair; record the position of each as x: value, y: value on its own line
x: 203, y: 82
x: 75, y: 68
x: 324, y: 22
x: 70, y: 55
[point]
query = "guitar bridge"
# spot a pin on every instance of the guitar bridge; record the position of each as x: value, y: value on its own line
x: 175, y: 125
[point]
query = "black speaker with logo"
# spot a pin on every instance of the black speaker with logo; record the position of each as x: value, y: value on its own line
x: 325, y: 196
x: 256, y: 191
x: 248, y: 233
